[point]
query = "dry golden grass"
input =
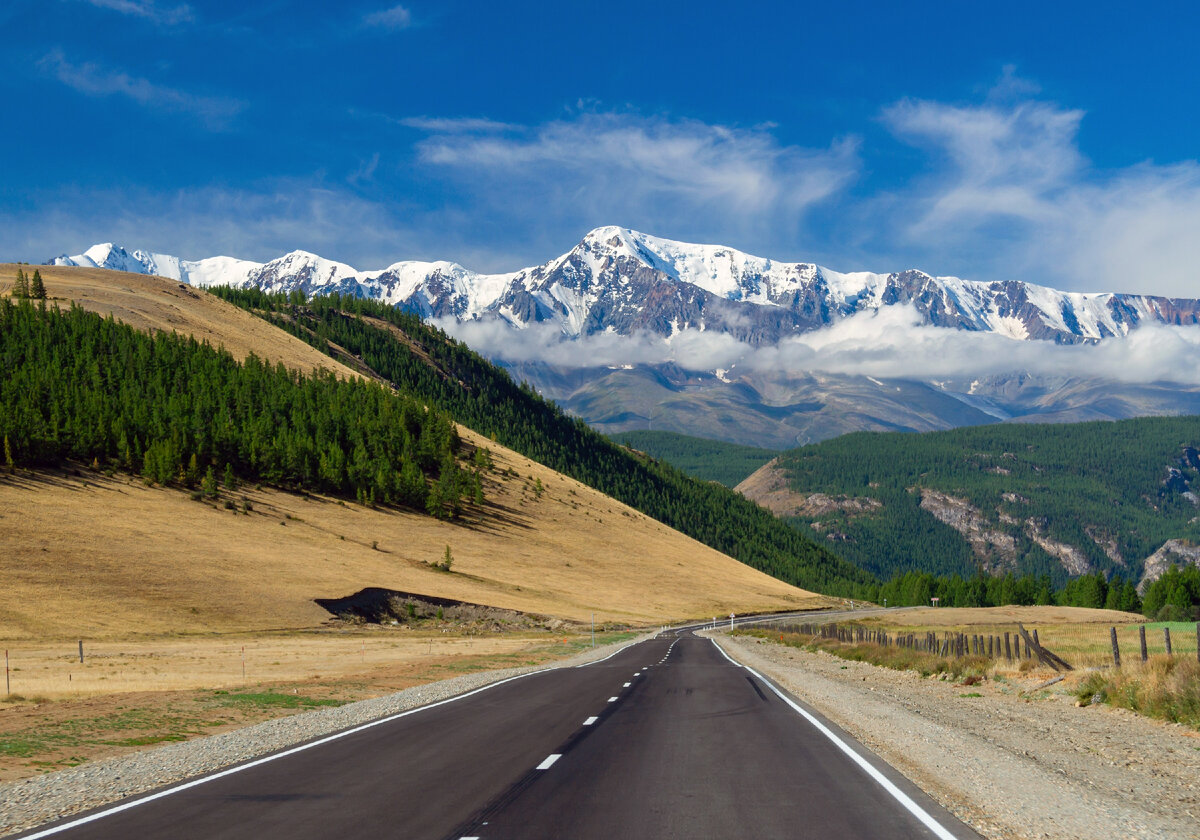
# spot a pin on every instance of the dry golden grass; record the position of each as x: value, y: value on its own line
x: 84, y: 555
x: 1080, y: 636
x: 971, y: 616
x: 95, y: 557
x: 53, y: 671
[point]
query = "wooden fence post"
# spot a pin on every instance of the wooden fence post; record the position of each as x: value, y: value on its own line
x: 1142, y: 636
x: 1167, y: 639
x: 1007, y: 648
x: 1112, y: 632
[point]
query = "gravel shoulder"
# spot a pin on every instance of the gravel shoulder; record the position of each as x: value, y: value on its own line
x: 34, y: 801
x: 1009, y: 765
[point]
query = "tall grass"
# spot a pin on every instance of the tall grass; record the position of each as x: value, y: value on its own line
x: 897, y: 658
x: 1163, y: 687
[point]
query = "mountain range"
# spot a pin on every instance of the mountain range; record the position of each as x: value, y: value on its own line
x: 622, y: 284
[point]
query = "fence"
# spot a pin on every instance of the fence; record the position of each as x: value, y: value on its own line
x: 1011, y: 646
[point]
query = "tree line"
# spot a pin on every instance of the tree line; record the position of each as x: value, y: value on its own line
x: 74, y: 385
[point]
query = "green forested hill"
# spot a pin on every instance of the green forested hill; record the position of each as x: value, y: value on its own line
x: 1113, y: 492
x: 75, y: 385
x: 422, y: 361
x: 709, y: 460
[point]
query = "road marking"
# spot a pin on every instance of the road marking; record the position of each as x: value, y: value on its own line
x: 612, y: 699
x: 590, y: 721
x: 125, y: 806
x: 726, y: 655
x: 626, y: 685
x: 638, y: 674
x: 900, y: 796
x: 550, y: 759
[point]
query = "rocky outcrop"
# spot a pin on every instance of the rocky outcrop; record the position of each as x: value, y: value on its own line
x: 996, y: 550
x: 1073, y: 560
x: 1171, y: 553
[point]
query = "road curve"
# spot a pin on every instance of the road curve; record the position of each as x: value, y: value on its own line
x: 666, y: 738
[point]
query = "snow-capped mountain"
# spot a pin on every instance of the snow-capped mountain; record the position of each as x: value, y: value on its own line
x: 622, y: 281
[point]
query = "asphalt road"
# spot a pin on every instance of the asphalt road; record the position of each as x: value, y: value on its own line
x: 667, y: 738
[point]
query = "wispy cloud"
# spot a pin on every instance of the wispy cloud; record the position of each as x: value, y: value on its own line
x: 148, y: 10
x: 675, y: 176
x: 392, y: 19
x: 91, y: 79
x: 455, y: 125
x: 1014, y: 194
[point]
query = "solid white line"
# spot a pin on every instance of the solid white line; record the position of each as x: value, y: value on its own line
x: 900, y: 796
x: 612, y: 699
x: 550, y: 759
x: 611, y: 655
x: 723, y: 653
x: 590, y: 721
x: 125, y: 806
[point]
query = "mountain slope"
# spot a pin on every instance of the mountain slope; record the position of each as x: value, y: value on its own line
x: 1058, y: 499
x: 630, y: 331
x: 71, y: 541
x: 421, y: 360
x: 709, y: 460
x: 623, y: 281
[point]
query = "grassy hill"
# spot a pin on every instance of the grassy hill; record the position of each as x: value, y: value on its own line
x: 74, y: 539
x: 422, y: 361
x: 1060, y: 500
x: 707, y: 460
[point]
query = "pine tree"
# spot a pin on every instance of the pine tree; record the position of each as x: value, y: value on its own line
x: 230, y: 479
x: 8, y: 456
x: 37, y: 289
x: 209, y: 484
x: 21, y: 288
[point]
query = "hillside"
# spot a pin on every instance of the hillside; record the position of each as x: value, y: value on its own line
x: 708, y: 460
x: 420, y: 360
x: 1062, y: 500
x: 566, y: 552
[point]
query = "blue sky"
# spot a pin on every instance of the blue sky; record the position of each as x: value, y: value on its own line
x: 1048, y: 142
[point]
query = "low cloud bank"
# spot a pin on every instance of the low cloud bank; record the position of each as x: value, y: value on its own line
x: 889, y: 343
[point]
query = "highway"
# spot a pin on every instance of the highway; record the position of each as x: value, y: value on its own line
x: 666, y: 738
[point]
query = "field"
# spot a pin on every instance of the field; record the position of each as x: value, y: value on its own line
x: 131, y: 695
x: 1080, y: 636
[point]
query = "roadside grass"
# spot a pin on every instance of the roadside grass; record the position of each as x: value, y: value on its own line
x: 896, y: 658
x: 1165, y: 687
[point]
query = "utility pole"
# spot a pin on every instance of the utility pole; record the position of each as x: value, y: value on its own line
x: 593, y: 629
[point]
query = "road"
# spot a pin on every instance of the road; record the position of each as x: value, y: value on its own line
x: 666, y: 738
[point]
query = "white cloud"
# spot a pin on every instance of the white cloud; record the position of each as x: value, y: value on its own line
x: 1015, y: 197
x: 93, y: 80
x: 671, y: 176
x: 888, y: 343
x: 392, y: 19
x: 149, y: 10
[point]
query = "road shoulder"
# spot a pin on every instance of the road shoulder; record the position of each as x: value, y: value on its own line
x: 1008, y: 766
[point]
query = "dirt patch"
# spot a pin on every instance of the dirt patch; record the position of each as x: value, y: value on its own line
x: 1011, y: 762
x: 375, y: 605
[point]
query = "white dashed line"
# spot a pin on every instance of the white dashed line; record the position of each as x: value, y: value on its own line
x: 612, y: 699
x: 626, y: 685
x: 550, y: 759
x: 590, y: 721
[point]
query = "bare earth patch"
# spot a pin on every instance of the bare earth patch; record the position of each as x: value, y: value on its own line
x: 1011, y: 765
